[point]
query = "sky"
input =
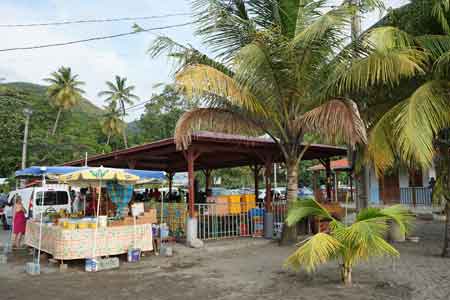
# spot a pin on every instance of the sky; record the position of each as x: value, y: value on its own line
x: 99, y: 61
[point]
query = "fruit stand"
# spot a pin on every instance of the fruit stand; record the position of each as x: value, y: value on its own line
x: 117, y: 230
x: 67, y: 244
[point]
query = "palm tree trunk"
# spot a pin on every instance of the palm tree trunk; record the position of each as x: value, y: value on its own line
x: 289, y: 233
x: 125, y: 140
x: 107, y: 141
x: 446, y: 230
x: 124, y: 132
x: 56, y: 121
x: 346, y: 275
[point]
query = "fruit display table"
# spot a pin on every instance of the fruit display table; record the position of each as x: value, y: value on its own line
x: 66, y: 244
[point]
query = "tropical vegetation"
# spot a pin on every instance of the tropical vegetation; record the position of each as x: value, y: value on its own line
x: 285, y: 69
x: 119, y: 94
x: 413, y: 128
x: 64, y: 91
x: 112, y: 124
x: 79, y: 133
x: 350, y: 244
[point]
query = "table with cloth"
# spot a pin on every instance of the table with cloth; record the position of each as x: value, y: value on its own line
x: 66, y: 244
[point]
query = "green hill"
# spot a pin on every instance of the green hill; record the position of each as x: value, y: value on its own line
x: 79, y: 130
x: 85, y: 105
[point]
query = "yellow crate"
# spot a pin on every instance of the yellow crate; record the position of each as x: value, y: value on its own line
x: 234, y: 204
x: 248, y: 202
x: 248, y: 198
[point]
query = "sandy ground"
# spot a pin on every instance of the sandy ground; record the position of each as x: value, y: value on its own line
x: 242, y: 269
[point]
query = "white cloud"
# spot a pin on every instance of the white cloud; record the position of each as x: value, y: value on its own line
x: 95, y: 62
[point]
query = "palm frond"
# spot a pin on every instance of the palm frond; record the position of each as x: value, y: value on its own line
x: 254, y: 70
x: 380, y: 67
x: 388, y: 37
x: 364, y: 239
x: 382, y: 144
x: 216, y: 119
x: 435, y: 45
x: 336, y: 121
x: 202, y: 80
x: 401, y: 216
x: 440, y: 9
x: 333, y: 20
x: 317, y: 250
x: 424, y: 114
x: 224, y: 25
x: 306, y: 208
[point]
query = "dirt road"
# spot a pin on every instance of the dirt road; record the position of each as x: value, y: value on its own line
x: 237, y: 270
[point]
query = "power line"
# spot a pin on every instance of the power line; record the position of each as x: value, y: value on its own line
x: 98, y: 38
x: 137, y: 106
x: 57, y: 23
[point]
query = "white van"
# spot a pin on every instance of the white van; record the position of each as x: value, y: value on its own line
x: 56, y: 197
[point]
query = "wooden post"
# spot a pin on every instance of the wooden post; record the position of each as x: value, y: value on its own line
x: 170, y: 176
x: 190, y: 155
x: 335, y: 186
x: 191, y: 178
x: 351, y: 185
x: 255, y: 174
x: 207, y: 180
x: 315, y: 185
x: 268, y: 174
x: 328, y: 180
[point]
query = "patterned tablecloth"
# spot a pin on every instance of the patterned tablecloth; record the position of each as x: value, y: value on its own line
x: 77, y: 244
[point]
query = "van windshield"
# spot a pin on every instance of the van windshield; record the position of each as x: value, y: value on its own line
x: 53, y: 198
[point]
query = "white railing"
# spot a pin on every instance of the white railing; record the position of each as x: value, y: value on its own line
x: 279, y: 210
x: 416, y: 196
x: 220, y: 221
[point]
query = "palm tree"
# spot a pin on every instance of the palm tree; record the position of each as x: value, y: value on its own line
x: 112, y: 124
x: 283, y: 68
x: 64, y: 91
x: 415, y: 130
x: 347, y: 244
x: 120, y: 94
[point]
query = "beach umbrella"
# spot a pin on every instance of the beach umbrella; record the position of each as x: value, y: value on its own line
x: 99, y: 175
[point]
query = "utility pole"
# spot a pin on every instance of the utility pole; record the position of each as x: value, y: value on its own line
x: 27, y: 112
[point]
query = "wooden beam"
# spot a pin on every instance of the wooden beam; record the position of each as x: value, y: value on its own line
x: 328, y: 181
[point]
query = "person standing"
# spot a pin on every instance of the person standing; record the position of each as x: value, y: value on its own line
x: 19, y: 222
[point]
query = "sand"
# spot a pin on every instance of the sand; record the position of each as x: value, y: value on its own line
x: 241, y: 269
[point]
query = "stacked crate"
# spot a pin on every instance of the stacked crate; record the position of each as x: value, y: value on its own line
x: 234, y: 204
x: 248, y: 202
x: 257, y: 221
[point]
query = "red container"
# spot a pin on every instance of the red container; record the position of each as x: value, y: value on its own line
x: 244, y: 230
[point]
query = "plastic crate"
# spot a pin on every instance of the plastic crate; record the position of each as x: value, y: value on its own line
x: 234, y: 204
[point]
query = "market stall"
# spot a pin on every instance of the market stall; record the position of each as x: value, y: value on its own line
x: 67, y: 244
x: 114, y: 228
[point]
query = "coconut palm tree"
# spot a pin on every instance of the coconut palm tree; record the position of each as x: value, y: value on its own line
x: 64, y: 91
x: 346, y: 244
x: 415, y: 129
x: 283, y: 68
x: 120, y: 94
x: 112, y: 124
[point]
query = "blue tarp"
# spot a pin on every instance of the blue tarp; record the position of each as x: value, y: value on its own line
x: 37, y: 171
